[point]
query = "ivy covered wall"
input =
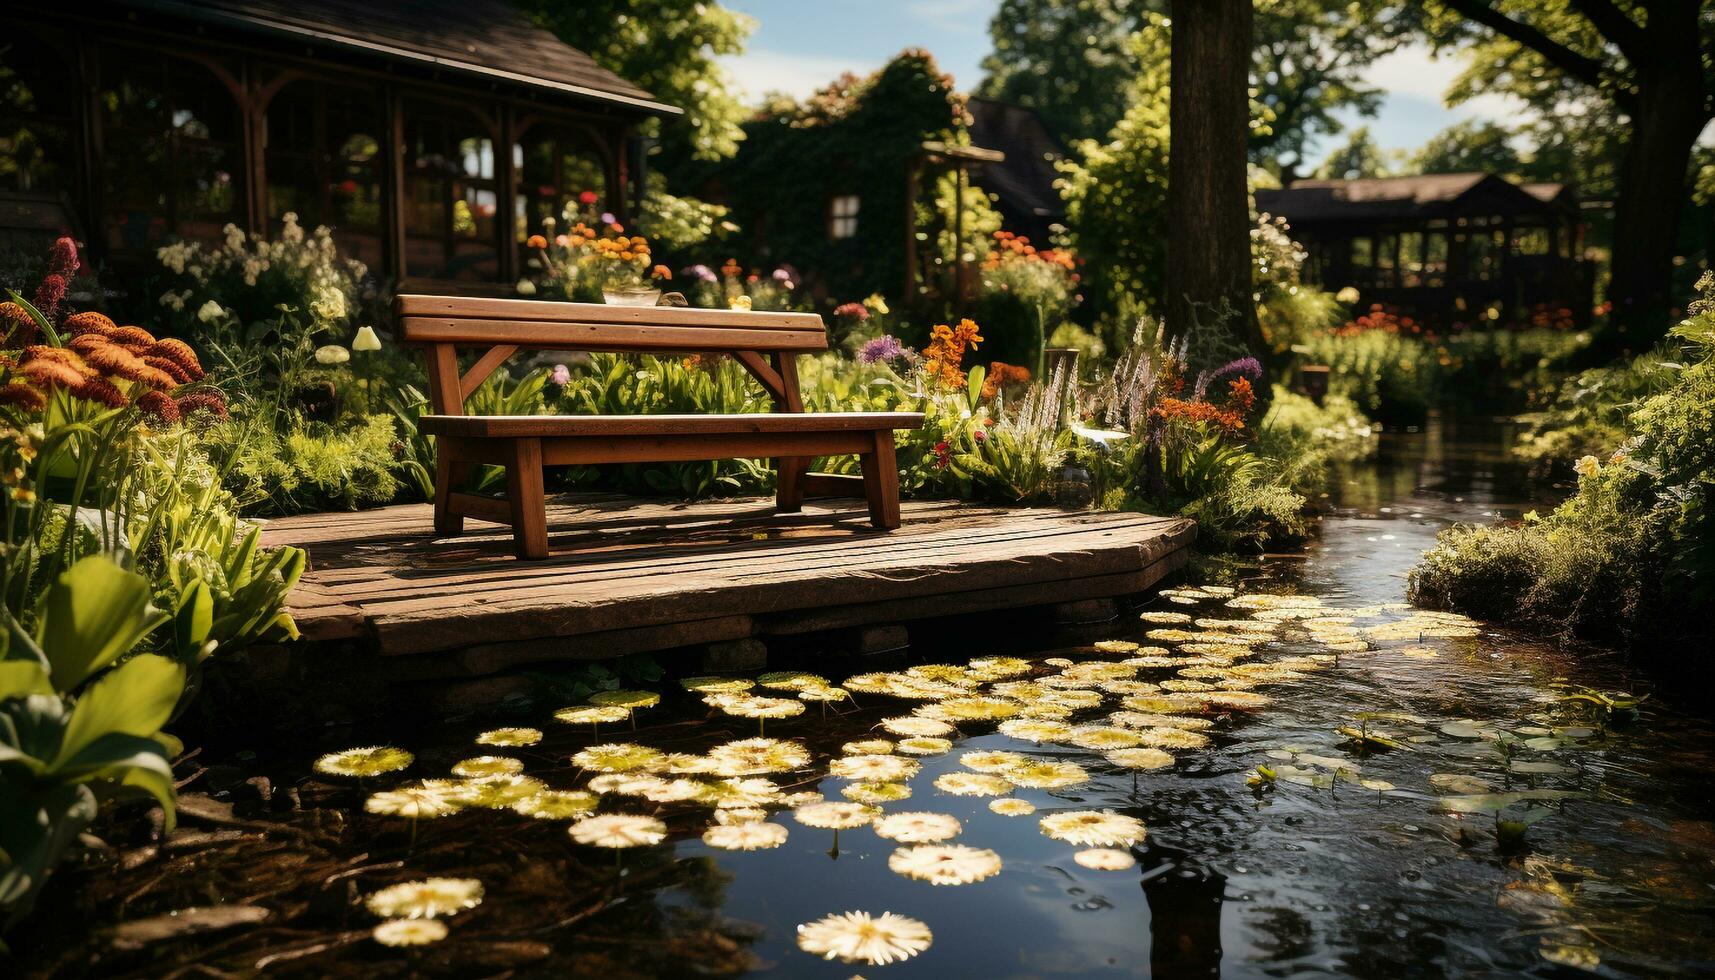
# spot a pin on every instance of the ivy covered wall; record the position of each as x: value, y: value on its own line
x: 859, y: 137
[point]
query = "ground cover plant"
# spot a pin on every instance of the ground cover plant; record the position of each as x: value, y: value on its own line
x: 1632, y: 546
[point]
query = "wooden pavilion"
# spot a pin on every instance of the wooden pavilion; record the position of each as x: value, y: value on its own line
x: 432, y: 136
x: 1446, y: 248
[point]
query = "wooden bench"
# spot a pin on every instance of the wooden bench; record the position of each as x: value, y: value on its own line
x: 766, y: 344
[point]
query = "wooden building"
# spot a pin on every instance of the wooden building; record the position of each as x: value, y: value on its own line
x: 432, y: 136
x: 1446, y: 248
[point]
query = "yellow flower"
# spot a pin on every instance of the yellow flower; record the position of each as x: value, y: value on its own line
x: 1587, y: 467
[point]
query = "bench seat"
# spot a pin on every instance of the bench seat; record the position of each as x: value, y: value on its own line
x: 764, y: 344
x: 549, y: 426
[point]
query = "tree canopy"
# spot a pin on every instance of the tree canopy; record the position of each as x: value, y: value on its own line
x: 1073, y: 62
x: 668, y: 47
x: 1470, y: 145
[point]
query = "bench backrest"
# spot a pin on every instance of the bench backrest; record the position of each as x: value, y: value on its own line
x: 764, y: 343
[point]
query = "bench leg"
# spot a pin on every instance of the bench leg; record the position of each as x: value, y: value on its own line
x: 524, y: 494
x: 789, y: 484
x: 881, y: 482
x: 449, y: 479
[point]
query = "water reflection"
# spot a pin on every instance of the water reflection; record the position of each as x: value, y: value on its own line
x: 1349, y: 863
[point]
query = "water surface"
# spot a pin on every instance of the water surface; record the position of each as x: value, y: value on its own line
x: 1298, y: 878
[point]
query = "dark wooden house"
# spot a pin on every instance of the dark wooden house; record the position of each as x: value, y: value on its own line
x: 1022, y: 184
x: 1450, y: 249
x: 432, y: 136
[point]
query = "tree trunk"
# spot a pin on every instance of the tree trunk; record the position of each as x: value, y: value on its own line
x: 1208, y: 201
x: 1651, y: 195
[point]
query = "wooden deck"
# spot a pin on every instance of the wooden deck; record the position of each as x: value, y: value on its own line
x: 628, y: 575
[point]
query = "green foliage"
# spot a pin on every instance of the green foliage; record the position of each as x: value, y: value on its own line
x: 311, y: 465
x: 1470, y: 145
x: 1116, y: 197
x: 74, y: 728
x: 855, y: 137
x: 676, y: 223
x: 1359, y: 156
x: 621, y: 384
x: 1336, y: 428
x: 1391, y: 378
x: 1589, y: 412
x: 1070, y: 60
x: 670, y: 48
x: 1633, y: 548
x: 1506, y: 369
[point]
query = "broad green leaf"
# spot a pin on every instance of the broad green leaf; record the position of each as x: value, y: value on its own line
x: 94, y: 614
x: 193, y: 620
x: 22, y: 677
x: 136, y: 698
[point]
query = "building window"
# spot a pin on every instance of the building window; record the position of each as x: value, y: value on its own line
x: 322, y: 157
x: 561, y: 169
x: 450, y: 202
x: 172, y: 163
x: 36, y: 115
x: 843, y: 216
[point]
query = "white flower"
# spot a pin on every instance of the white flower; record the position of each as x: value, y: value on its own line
x: 210, y: 312
x: 409, y: 932
x: 366, y: 340
x: 526, y: 288
x: 426, y: 899
x: 857, y: 937
x: 945, y: 864
x: 745, y: 836
x: 618, y: 830
x: 917, y: 828
x: 1100, y: 828
x: 1104, y: 859
x: 331, y: 354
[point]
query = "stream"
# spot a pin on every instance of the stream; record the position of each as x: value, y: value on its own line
x: 1503, y: 822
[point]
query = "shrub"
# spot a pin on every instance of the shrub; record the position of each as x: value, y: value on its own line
x: 311, y: 466
x: 1506, y: 369
x: 1390, y: 377
x: 1629, y: 552
x: 1335, y: 427
x: 1025, y: 296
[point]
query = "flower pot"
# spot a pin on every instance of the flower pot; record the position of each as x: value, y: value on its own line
x: 630, y: 295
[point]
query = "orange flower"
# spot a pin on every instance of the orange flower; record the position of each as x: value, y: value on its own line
x: 537, y: 241
x: 1000, y: 374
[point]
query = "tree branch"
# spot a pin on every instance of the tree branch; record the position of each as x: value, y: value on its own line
x: 1615, y: 25
x: 1582, y: 67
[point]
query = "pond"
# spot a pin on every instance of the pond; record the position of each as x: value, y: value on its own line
x: 1493, y: 816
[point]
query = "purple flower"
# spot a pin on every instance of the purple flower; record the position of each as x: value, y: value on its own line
x: 1250, y: 367
x: 562, y: 375
x: 880, y: 349
x: 781, y: 275
x: 700, y: 271
x: 607, y: 218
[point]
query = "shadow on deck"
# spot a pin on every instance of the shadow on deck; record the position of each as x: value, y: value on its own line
x: 629, y: 575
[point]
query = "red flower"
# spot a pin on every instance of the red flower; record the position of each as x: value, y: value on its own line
x: 588, y: 197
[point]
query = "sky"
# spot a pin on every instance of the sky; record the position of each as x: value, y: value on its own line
x: 801, y: 45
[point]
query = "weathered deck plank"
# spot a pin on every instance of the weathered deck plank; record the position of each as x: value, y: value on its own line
x: 626, y: 573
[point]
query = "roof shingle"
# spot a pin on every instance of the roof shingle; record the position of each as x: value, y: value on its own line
x: 488, y: 37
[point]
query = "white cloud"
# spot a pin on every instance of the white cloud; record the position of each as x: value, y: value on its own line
x: 760, y: 70
x: 1415, y: 70
x: 954, y: 16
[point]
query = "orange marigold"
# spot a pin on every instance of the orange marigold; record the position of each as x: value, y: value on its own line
x: 536, y: 241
